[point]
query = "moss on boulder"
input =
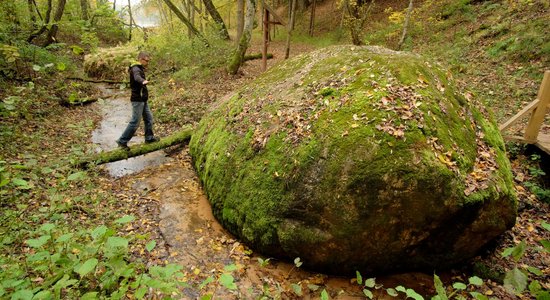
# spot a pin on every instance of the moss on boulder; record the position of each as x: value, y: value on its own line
x: 110, y: 63
x: 356, y: 158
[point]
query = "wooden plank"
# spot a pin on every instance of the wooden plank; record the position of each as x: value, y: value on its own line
x: 543, y: 142
x: 514, y: 138
x: 537, y: 117
x: 527, y: 109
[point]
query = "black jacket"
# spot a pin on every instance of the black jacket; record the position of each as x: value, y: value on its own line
x: 137, y: 76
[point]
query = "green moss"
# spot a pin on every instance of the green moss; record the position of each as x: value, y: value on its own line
x: 305, y: 158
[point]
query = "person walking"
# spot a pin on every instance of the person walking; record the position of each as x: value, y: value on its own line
x: 140, y: 107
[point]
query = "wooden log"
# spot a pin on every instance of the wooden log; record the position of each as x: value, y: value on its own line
x: 257, y: 56
x: 97, y: 80
x: 179, y: 137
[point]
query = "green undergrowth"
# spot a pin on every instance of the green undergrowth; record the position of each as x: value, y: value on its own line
x: 498, y: 50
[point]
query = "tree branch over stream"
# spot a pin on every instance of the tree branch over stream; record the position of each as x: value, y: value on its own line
x: 182, y: 136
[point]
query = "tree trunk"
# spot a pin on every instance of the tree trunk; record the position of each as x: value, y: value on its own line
x: 179, y: 137
x: 405, y: 25
x: 240, y: 20
x: 312, y: 18
x: 185, y: 21
x: 56, y: 18
x: 32, y: 15
x: 46, y: 23
x: 292, y: 11
x: 217, y: 18
x: 84, y: 9
x: 131, y: 20
x: 244, y: 42
x: 114, y: 4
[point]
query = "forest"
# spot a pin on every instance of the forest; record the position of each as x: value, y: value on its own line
x: 309, y: 149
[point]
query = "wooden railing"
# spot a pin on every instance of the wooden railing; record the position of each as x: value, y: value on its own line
x: 538, y: 109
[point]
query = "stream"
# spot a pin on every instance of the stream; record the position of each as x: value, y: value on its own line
x: 198, y: 242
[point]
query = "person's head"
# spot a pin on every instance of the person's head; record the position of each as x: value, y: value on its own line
x: 144, y: 58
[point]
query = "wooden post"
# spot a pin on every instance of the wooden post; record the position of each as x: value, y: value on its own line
x: 266, y: 39
x: 537, y: 117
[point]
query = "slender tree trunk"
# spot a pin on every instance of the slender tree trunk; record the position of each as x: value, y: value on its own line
x: 244, y: 42
x: 114, y: 4
x: 52, y: 34
x: 131, y: 20
x: 44, y: 27
x: 185, y: 21
x: 32, y: 15
x: 405, y: 25
x: 312, y: 18
x: 84, y: 9
x: 240, y: 20
x: 162, y: 12
x: 290, y: 27
x: 213, y: 12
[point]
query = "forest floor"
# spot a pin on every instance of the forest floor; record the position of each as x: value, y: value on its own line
x: 172, y: 209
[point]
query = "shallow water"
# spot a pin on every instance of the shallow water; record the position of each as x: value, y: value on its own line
x: 116, y: 112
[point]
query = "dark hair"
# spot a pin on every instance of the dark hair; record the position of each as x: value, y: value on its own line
x: 143, y: 55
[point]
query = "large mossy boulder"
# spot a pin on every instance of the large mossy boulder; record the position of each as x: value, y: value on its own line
x: 356, y: 158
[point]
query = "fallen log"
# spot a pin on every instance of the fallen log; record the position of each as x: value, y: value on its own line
x: 97, y: 80
x: 257, y: 56
x: 179, y: 137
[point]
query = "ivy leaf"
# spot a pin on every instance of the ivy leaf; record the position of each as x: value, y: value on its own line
x: 400, y: 288
x: 230, y: 268
x: 440, y: 289
x: 370, y: 283
x: 22, y: 295
x: 297, y: 289
x: 64, y: 238
x: 47, y: 227
x: 227, y: 281
x: 519, y: 250
x: 413, y: 294
x: 125, y: 219
x: 475, y: 281
x: 545, y: 225
x: 297, y: 262
x: 515, y: 281
x: 99, y: 232
x: 368, y: 293
x: 392, y: 292
x: 87, y: 267
x: 21, y: 183
x: 151, y: 245
x: 359, y: 278
x: 44, y: 295
x: 39, y: 242
x: 545, y: 244
x: 478, y: 296
x: 535, y: 271
x: 140, y: 293
x: 324, y: 295
x: 459, y: 286
x: 77, y: 176
x: 89, y: 296
x: 115, y: 241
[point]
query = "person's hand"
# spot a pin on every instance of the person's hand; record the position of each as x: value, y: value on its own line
x: 145, y: 82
